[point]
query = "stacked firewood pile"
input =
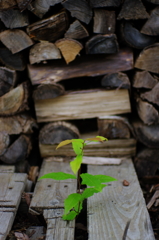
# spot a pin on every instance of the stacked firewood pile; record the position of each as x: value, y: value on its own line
x: 67, y: 64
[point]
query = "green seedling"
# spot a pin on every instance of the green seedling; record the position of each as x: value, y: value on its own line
x: 74, y: 202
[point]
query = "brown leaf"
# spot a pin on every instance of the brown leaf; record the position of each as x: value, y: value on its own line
x: 21, y: 236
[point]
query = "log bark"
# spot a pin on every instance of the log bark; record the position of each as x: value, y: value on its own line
x: 14, y: 101
x: 48, y: 91
x: 152, y: 96
x: 146, y: 162
x: 69, y: 48
x: 18, y: 151
x: 15, y: 40
x: 105, y: 3
x: 49, y: 29
x: 147, y: 113
x: 104, y: 21
x: 40, y: 7
x: 154, y: 1
x: 133, y: 10
x: 54, y: 133
x: 79, y: 9
x: 14, y: 19
x: 99, y: 65
x: 4, y: 142
x: 151, y: 27
x: 114, y: 128
x: 14, y: 61
x: 76, y: 31
x: 134, y: 38
x: 143, y: 79
x: 102, y: 44
x: 116, y: 80
x: 17, y: 124
x: 147, y: 135
x: 148, y: 59
x: 23, y: 4
x: 7, y: 80
x: 43, y: 51
x: 4, y: 5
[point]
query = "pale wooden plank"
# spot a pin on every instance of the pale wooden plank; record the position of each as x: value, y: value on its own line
x: 11, y: 188
x: 7, y: 168
x: 111, y: 148
x: 118, y: 207
x: 49, y: 193
x: 83, y: 104
x: 56, y: 227
x: 6, y: 221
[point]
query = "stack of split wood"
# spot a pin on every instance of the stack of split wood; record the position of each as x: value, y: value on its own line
x: 78, y: 56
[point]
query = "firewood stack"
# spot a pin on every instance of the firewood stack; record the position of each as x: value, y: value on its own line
x: 74, y: 61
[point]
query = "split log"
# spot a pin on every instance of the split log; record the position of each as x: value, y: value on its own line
x: 143, y: 79
x: 146, y: 162
x: 104, y: 21
x: 40, y: 7
x: 113, y: 127
x: 116, y: 80
x: 14, y: 61
x: 18, y: 151
x: 148, y: 59
x: 69, y: 48
x: 4, y: 5
x: 15, y: 40
x: 14, y: 101
x: 14, y: 18
x: 151, y: 27
x: 76, y: 31
x: 23, y: 4
x: 54, y: 133
x: 147, y: 113
x: 4, y: 142
x: 148, y: 135
x: 152, y: 96
x: 49, y: 29
x: 99, y: 65
x: 79, y: 9
x: 104, y: 3
x: 102, y: 44
x: 48, y: 91
x: 17, y: 124
x: 133, y: 10
x: 43, y: 51
x: 83, y: 105
x: 7, y: 80
x: 134, y: 38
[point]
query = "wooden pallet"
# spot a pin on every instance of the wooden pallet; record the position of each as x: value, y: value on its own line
x: 118, y: 213
x: 11, y: 188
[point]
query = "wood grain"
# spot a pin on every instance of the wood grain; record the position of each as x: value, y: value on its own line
x: 118, y: 207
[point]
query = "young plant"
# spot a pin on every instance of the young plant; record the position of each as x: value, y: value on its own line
x: 74, y: 202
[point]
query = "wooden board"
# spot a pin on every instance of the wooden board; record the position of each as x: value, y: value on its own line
x: 112, y: 148
x: 83, y: 66
x: 119, y: 212
x: 11, y: 187
x: 83, y: 104
x: 48, y: 193
x: 56, y: 227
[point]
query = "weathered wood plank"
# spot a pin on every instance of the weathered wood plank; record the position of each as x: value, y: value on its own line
x: 48, y: 193
x: 119, y: 212
x: 99, y: 65
x: 56, y: 227
x: 83, y: 105
x: 6, y: 220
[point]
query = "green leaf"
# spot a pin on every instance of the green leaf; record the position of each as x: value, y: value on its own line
x: 76, y: 164
x: 102, y: 138
x: 91, y: 180
x: 104, y: 178
x: 58, y: 176
x: 77, y: 147
x: 78, y: 207
x: 88, y: 192
x: 97, y: 139
x: 63, y: 143
x: 70, y: 216
x: 71, y: 201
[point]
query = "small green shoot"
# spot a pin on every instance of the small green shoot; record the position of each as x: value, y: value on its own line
x: 74, y: 202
